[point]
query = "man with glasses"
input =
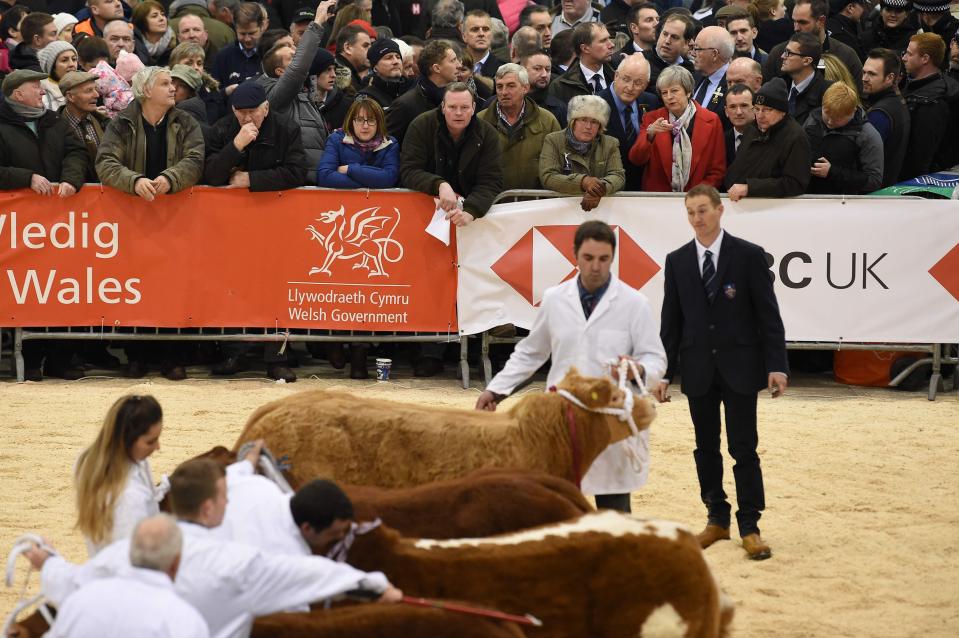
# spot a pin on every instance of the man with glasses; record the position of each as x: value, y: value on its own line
x: 628, y: 102
x: 809, y: 16
x: 714, y: 49
x: 773, y: 159
x: 800, y: 58
x: 892, y: 27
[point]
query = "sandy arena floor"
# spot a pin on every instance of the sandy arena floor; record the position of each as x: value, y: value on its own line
x: 861, y: 488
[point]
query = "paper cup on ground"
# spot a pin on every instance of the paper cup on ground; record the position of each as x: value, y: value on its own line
x: 383, y: 369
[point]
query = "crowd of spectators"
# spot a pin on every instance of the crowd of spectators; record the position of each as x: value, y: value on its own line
x: 464, y: 99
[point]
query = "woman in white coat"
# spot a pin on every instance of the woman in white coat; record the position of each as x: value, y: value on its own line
x: 114, y: 484
x: 588, y: 322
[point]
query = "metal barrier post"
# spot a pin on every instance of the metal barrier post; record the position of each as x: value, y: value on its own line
x: 18, y: 354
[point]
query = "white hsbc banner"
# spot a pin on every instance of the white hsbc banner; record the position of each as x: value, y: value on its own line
x: 863, y: 270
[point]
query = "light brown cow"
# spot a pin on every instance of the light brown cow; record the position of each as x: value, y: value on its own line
x: 365, y: 441
x: 603, y: 575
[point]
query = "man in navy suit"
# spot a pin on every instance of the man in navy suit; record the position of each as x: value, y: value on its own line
x: 714, y: 49
x: 722, y: 332
x: 628, y: 103
x: 739, y: 112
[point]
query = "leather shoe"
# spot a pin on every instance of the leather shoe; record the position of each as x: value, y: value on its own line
x: 230, y: 365
x: 32, y: 374
x: 135, y: 370
x: 428, y: 367
x: 711, y: 534
x: 69, y: 373
x: 755, y: 548
x: 280, y: 372
x: 173, y: 372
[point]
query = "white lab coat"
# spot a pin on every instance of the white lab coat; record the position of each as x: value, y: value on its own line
x: 621, y: 324
x: 258, y: 514
x: 228, y: 583
x: 139, y: 499
x: 140, y: 603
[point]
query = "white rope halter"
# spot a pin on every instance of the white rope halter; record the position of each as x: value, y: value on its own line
x: 22, y: 544
x: 624, y: 366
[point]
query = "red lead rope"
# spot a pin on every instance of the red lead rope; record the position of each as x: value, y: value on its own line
x: 526, y: 619
x: 573, y: 441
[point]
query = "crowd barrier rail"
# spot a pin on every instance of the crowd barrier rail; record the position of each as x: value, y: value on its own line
x: 415, y: 207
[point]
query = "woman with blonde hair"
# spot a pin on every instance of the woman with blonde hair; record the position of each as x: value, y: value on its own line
x: 836, y: 71
x: 114, y: 484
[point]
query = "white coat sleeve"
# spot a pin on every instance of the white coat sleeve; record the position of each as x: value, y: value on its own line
x: 275, y: 582
x: 530, y: 353
x: 60, y: 578
x: 647, y: 346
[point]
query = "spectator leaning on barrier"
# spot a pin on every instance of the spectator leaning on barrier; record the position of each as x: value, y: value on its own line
x: 361, y: 154
x: 629, y: 102
x: 927, y: 94
x: 590, y: 73
x: 521, y: 126
x: 886, y: 109
x: 151, y: 148
x: 580, y: 160
x: 438, y: 63
x: 81, y: 113
x: 773, y: 158
x: 682, y: 144
x: 846, y: 150
x: 739, y: 111
x: 254, y: 148
x: 387, y: 81
x: 284, y: 73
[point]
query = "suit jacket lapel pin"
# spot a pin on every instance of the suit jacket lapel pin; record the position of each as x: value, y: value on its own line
x: 729, y: 290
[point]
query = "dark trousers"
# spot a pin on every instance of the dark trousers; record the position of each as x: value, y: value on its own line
x: 741, y: 440
x: 618, y: 502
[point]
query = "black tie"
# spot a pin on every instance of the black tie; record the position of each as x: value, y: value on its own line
x: 597, y: 84
x: 793, y: 94
x: 701, y: 93
x: 709, y: 276
x: 628, y: 127
x: 589, y: 304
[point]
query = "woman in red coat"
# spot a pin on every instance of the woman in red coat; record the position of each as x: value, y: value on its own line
x: 681, y: 145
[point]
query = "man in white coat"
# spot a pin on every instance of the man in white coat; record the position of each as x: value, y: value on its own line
x: 140, y: 602
x: 228, y: 583
x: 589, y: 322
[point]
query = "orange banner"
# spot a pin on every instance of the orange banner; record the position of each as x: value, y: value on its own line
x: 342, y: 260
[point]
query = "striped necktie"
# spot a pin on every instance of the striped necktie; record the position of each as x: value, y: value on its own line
x: 709, y: 276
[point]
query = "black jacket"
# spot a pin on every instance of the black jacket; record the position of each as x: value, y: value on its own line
x: 55, y: 152
x: 892, y: 104
x: 645, y: 103
x: 545, y: 100
x: 334, y: 108
x: 573, y: 83
x: 489, y: 68
x: 424, y: 96
x: 657, y: 64
x: 772, y: 164
x: 386, y: 91
x: 773, y: 66
x: 846, y: 31
x: 927, y: 101
x: 473, y: 167
x: 717, y: 102
x: 274, y: 159
x: 854, y: 152
x: 810, y: 99
x: 739, y: 335
x: 879, y: 36
x: 24, y: 57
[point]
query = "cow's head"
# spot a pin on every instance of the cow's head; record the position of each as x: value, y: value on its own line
x: 602, y: 392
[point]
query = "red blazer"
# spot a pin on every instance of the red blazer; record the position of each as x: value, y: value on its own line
x: 708, y: 165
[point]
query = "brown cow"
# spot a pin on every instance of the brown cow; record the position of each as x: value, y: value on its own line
x: 365, y: 441
x: 604, y: 575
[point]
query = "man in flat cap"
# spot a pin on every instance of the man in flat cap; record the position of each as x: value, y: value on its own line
x: 81, y: 114
x: 773, y: 159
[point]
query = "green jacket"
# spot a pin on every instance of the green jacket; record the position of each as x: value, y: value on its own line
x: 121, y: 158
x: 521, y: 151
x: 603, y: 162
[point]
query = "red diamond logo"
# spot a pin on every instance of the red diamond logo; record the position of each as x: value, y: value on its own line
x: 636, y: 267
x: 515, y: 267
x: 946, y: 272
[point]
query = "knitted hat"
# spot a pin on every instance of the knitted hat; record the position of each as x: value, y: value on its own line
x: 188, y: 75
x: 248, y: 95
x: 127, y: 65
x: 774, y: 95
x: 62, y: 20
x: 321, y: 61
x: 73, y: 79
x: 18, y: 77
x: 48, y: 55
x: 379, y: 49
x: 905, y: 5
x: 930, y: 6
x: 591, y: 106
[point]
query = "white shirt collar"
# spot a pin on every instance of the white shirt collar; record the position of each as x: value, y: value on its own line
x: 802, y: 85
x: 588, y: 75
x: 713, y: 248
